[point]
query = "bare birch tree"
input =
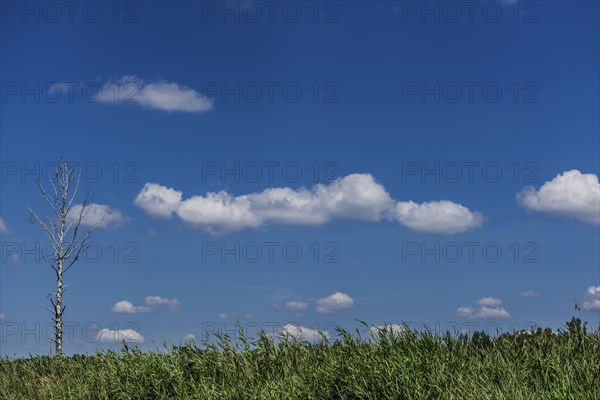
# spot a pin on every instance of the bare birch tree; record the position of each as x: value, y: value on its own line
x: 63, y: 229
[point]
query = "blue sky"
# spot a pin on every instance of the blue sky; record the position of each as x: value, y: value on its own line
x: 373, y: 137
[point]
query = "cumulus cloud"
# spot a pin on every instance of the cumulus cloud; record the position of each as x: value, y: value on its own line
x: 94, y: 214
x: 158, y: 95
x: 356, y: 196
x: 303, y: 333
x: 119, y: 335
x: 157, y: 200
x: 394, y: 330
x: 441, y: 217
x: 3, y: 226
x: 335, y: 302
x: 489, y: 307
x: 489, y: 301
x: 3, y: 317
x: 219, y: 213
x: 591, y: 305
x: 157, y: 300
x: 223, y: 316
x: 189, y: 337
x: 592, y: 300
x: 570, y: 194
x: 126, y: 307
x: 291, y: 306
x: 594, y: 290
x: 529, y: 293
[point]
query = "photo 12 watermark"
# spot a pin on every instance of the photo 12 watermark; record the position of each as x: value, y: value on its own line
x: 471, y: 252
x: 469, y: 172
x: 466, y: 12
x: 126, y: 172
x: 268, y: 171
x: 73, y: 332
x: 22, y: 253
x: 469, y: 92
x: 269, y: 252
x: 69, y: 12
x: 270, y: 12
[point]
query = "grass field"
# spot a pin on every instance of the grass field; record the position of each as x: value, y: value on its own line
x: 411, y: 365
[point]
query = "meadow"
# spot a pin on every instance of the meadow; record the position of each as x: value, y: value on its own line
x: 390, y: 365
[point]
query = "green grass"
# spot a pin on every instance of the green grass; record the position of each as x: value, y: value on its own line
x: 407, y: 366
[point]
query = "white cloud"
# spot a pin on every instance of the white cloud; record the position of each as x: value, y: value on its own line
x: 594, y: 290
x: 529, y: 293
x: 592, y: 300
x: 189, y: 337
x: 223, y: 316
x: 159, y: 95
x: 157, y: 300
x: 157, y: 200
x: 489, y: 301
x: 570, y: 194
x: 3, y: 226
x: 218, y: 213
x: 591, y: 305
x: 393, y: 329
x: 126, y: 307
x: 490, y: 307
x: 94, y: 214
x: 291, y: 306
x: 334, y: 302
x: 119, y: 335
x: 442, y: 217
x: 465, y: 312
x: 492, y: 312
x: 356, y: 196
x: 3, y: 317
x: 303, y: 333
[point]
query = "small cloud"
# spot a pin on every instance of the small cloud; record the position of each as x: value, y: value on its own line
x: 291, y: 306
x: 158, y: 95
x: 489, y: 301
x: 3, y: 226
x: 441, y: 217
x: 248, y: 315
x: 335, y: 302
x: 189, y: 337
x: 394, y: 330
x: 490, y: 307
x: 101, y: 215
x: 570, y: 194
x: 3, y: 317
x: 593, y: 291
x: 529, y: 293
x: 173, y: 303
x: 592, y: 300
x: 158, y: 201
x: 126, y: 307
x: 223, y: 316
x: 119, y: 335
x: 303, y: 333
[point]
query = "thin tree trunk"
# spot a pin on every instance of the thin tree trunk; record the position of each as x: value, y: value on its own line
x: 58, y: 311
